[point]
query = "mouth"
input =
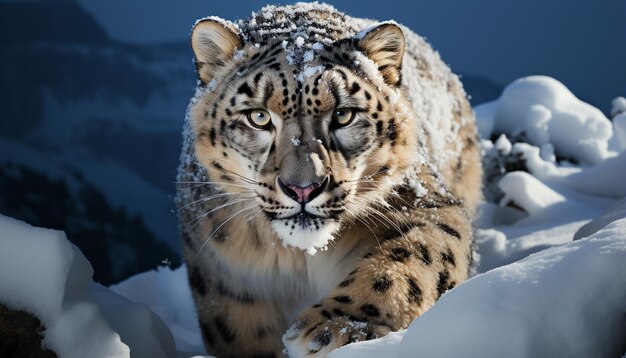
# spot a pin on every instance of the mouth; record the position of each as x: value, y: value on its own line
x: 304, y: 220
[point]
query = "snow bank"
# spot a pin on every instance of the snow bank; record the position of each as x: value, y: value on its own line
x: 567, y: 301
x: 44, y: 274
x: 544, y: 111
x: 166, y: 292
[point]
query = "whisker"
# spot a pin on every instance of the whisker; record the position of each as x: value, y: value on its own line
x: 227, y: 204
x: 202, y: 200
x: 214, y: 183
x: 219, y: 227
x: 219, y: 160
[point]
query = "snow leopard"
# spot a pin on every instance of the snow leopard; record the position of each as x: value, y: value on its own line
x: 330, y: 170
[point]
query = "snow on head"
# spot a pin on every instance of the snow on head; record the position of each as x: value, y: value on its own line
x: 544, y: 111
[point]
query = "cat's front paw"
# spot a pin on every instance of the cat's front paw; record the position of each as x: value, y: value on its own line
x: 315, y: 335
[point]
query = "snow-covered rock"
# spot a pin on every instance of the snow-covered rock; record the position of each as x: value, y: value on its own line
x: 544, y: 111
x: 43, y: 274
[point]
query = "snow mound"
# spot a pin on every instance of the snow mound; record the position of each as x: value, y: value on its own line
x: 542, y: 110
x: 166, y: 292
x: 44, y: 274
x: 566, y: 301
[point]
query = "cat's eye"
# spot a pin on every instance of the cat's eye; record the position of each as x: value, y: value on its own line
x: 259, y: 118
x: 343, y: 116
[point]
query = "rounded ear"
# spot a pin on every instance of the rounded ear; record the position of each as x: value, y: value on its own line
x: 384, y: 44
x: 214, y: 43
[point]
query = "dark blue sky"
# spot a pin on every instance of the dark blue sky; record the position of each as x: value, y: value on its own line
x: 580, y: 42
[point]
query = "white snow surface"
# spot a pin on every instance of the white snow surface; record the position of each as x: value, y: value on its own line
x: 550, y: 271
x: 42, y: 273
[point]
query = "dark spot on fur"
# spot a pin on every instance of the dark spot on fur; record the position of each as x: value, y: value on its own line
x: 400, y: 254
x: 326, y: 314
x: 223, y: 330
x: 196, y: 281
x: 370, y: 310
x: 448, y: 257
x: 448, y: 230
x: 346, y: 283
x: 355, y: 88
x: 245, y: 89
x: 206, y: 333
x: 414, y: 293
x: 424, y: 254
x: 324, y: 338
x: 391, y: 131
x: 382, y: 283
x: 343, y: 299
x: 212, y: 135
x: 442, y: 283
x: 258, y: 76
x: 379, y: 127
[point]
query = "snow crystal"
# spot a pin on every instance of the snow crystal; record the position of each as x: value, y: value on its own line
x: 238, y: 55
x: 309, y: 71
x: 308, y: 56
x: 295, y: 141
x: 299, y: 41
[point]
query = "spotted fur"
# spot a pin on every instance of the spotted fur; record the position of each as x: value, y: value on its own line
x: 394, y: 190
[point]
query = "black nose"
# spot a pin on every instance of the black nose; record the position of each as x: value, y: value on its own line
x: 300, y: 193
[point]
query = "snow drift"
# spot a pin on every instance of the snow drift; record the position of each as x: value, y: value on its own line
x: 42, y: 273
